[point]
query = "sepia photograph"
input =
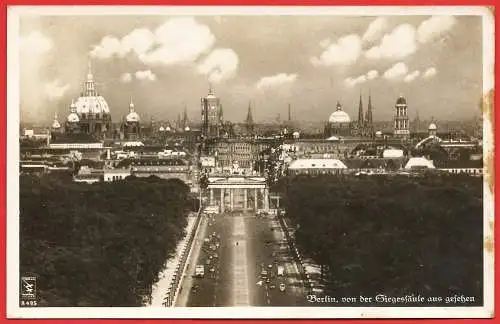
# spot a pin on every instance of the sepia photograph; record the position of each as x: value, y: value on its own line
x: 250, y: 162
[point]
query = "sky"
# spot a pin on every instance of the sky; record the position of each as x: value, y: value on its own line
x: 166, y: 63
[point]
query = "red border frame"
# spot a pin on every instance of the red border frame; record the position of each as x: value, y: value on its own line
x: 3, y: 137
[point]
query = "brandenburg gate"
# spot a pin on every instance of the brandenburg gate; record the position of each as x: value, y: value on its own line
x: 238, y: 192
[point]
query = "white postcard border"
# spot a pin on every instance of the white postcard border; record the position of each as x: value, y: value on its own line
x: 12, y: 164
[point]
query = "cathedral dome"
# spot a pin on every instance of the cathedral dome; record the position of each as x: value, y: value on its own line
x: 91, y: 105
x: 339, y: 116
x: 90, y: 102
x: 432, y: 126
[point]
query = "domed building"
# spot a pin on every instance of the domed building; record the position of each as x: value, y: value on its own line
x: 72, y: 121
x: 432, y: 129
x: 132, y: 125
x: 90, y: 113
x: 56, y: 126
x: 339, y: 123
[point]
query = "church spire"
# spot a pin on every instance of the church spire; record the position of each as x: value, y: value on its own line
x: 249, y: 120
x: 360, y: 111
x: 89, y: 88
x: 289, y: 112
x: 178, y: 123
x: 72, y: 108
x: 131, y: 106
x: 369, y: 113
x: 185, y: 118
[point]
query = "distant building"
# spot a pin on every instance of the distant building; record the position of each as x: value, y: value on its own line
x: 90, y: 113
x: 249, y: 124
x: 401, y: 120
x: 162, y: 168
x: 230, y: 152
x: 131, y: 127
x: 339, y: 123
x: 432, y: 130
x: 419, y: 163
x: 316, y: 166
x: 56, y: 126
x: 211, y: 115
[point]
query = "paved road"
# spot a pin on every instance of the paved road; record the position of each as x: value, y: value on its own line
x: 236, y: 248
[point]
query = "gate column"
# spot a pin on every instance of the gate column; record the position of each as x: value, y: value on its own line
x: 221, y: 200
x: 245, y: 199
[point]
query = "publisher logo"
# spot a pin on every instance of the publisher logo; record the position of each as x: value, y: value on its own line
x: 28, y: 287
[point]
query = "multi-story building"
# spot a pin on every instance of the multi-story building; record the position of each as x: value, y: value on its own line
x: 211, y: 115
x: 231, y: 152
x: 401, y: 120
x: 174, y: 168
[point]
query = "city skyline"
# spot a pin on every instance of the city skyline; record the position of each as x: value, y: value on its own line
x: 315, y: 62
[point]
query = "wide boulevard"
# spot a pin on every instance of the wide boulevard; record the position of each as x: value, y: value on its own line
x: 241, y: 253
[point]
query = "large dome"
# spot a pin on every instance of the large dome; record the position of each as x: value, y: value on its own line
x: 339, y: 116
x: 133, y: 117
x: 432, y: 126
x: 91, y: 105
x: 90, y: 102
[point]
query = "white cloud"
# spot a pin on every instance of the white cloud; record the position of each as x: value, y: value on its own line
x: 352, y: 81
x: 145, y: 75
x: 178, y: 40
x: 375, y: 29
x: 126, y: 77
x: 35, y: 43
x: 325, y: 43
x: 108, y: 47
x: 220, y: 64
x: 430, y: 72
x: 360, y: 79
x: 55, y: 90
x: 412, y: 76
x: 400, y: 43
x: 397, y: 70
x: 276, y: 80
x: 345, y: 51
x: 138, y: 41
x: 373, y: 74
x: 434, y: 27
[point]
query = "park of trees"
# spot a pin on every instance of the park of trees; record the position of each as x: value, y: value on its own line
x: 391, y: 235
x: 102, y: 244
